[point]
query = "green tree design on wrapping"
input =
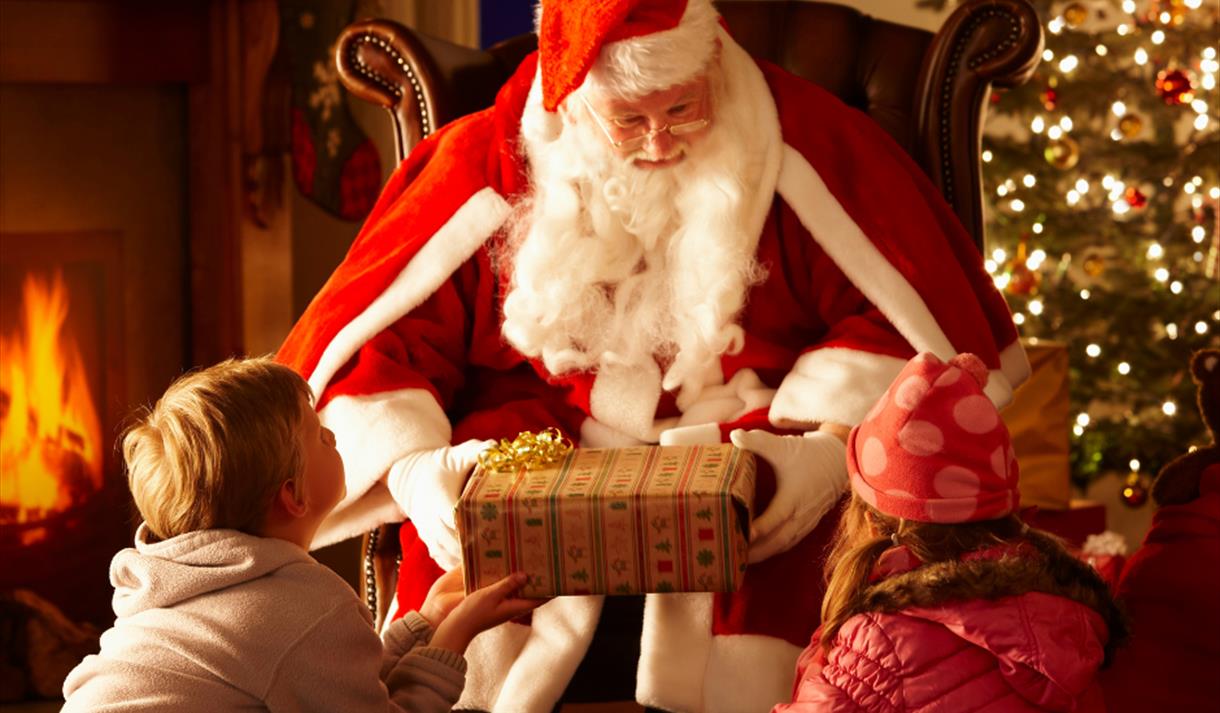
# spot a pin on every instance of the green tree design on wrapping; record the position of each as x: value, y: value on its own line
x: 665, y: 586
x: 488, y: 511
x: 663, y: 546
x: 705, y: 558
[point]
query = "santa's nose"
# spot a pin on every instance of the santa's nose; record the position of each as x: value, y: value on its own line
x: 660, y: 144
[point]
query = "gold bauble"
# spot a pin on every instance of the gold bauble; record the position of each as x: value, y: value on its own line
x: 1075, y: 15
x: 1062, y: 153
x: 1094, y: 265
x: 1177, y: 12
x: 1130, y: 126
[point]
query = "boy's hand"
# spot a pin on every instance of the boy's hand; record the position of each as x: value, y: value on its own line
x: 446, y: 593
x: 481, y: 610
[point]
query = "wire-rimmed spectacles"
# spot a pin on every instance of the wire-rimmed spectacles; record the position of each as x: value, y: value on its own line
x: 634, y: 143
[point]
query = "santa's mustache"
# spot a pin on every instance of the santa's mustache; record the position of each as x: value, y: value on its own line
x: 642, y: 154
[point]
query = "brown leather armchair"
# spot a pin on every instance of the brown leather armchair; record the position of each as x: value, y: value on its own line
x: 927, y: 90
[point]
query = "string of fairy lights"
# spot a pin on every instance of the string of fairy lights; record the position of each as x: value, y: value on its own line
x: 1187, y: 80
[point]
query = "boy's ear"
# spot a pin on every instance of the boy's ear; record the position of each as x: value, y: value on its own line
x: 291, y: 501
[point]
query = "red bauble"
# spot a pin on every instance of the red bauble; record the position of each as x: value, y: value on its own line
x: 1135, y: 198
x: 1022, y: 281
x: 1134, y: 492
x: 1049, y: 96
x: 1174, y: 87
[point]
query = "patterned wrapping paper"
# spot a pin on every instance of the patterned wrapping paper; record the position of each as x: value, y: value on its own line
x: 612, y: 521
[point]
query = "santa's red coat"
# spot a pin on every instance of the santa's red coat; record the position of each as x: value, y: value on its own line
x: 866, y: 265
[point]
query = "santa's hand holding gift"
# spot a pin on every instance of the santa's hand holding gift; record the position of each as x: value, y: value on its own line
x: 649, y: 238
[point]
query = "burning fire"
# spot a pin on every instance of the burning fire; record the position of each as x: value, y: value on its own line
x: 50, y: 435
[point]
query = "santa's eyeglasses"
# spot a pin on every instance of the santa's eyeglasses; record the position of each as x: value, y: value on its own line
x: 633, y: 143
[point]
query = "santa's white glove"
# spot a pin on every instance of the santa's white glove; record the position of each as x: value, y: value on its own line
x: 810, y: 477
x: 426, y: 485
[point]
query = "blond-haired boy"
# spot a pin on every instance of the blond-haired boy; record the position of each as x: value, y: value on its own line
x: 219, y: 604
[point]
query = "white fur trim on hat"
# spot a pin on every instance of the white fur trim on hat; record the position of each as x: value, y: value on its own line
x: 637, y: 66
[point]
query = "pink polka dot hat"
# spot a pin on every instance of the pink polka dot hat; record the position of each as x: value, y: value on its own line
x: 934, y: 449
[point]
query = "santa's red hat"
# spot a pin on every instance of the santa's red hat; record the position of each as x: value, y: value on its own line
x: 661, y: 42
x: 934, y: 448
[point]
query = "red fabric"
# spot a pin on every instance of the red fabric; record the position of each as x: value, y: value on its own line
x: 917, y: 232
x: 895, y: 204
x: 1110, y: 567
x: 1171, y: 589
x: 781, y: 597
x: 304, y: 156
x: 451, y: 343
x: 1033, y: 652
x: 1075, y: 524
x: 573, y: 32
x: 411, y: 591
x: 359, y: 181
x: 934, y: 449
x: 419, y: 198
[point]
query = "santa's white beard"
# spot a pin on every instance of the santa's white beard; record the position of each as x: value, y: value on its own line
x: 615, y: 265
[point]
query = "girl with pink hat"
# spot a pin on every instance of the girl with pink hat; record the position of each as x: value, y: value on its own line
x: 939, y: 597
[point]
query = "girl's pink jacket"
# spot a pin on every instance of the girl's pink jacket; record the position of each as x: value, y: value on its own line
x: 1022, y: 653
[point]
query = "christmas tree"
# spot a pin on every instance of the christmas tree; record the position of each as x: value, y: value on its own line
x: 1101, y: 183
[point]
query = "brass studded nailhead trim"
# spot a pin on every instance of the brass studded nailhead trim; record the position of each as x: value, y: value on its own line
x: 370, y: 572
x: 384, y: 82
x: 1014, y: 33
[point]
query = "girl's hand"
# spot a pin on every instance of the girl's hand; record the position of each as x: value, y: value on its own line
x: 481, y: 610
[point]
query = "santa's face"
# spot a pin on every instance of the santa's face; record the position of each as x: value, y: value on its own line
x: 638, y: 261
x: 656, y: 130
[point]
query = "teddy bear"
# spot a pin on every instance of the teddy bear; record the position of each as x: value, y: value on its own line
x: 1178, y: 481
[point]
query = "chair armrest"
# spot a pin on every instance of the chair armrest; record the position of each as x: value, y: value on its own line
x: 382, y: 555
x: 423, y: 82
x: 984, y: 43
x: 385, y: 63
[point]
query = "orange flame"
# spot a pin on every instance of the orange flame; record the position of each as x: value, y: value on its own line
x: 50, y: 435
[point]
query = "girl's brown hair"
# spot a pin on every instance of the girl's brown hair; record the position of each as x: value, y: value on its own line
x: 864, y: 534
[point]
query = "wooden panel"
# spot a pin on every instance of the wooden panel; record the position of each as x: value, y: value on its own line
x: 92, y: 41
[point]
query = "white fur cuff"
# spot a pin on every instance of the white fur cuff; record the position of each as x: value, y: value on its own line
x: 833, y: 385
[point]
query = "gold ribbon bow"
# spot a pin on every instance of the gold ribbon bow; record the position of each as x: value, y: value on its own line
x: 528, y: 450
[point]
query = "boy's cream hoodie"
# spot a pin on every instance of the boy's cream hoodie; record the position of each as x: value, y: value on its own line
x: 220, y: 620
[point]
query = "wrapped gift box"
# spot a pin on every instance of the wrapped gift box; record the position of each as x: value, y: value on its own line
x: 1040, y: 421
x: 612, y: 521
x: 1075, y: 523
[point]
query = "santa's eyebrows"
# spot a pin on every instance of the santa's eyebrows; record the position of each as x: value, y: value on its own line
x: 631, y: 112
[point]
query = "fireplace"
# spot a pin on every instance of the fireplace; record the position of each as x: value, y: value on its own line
x: 64, y: 508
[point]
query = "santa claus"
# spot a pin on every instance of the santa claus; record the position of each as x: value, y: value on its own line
x: 649, y: 238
